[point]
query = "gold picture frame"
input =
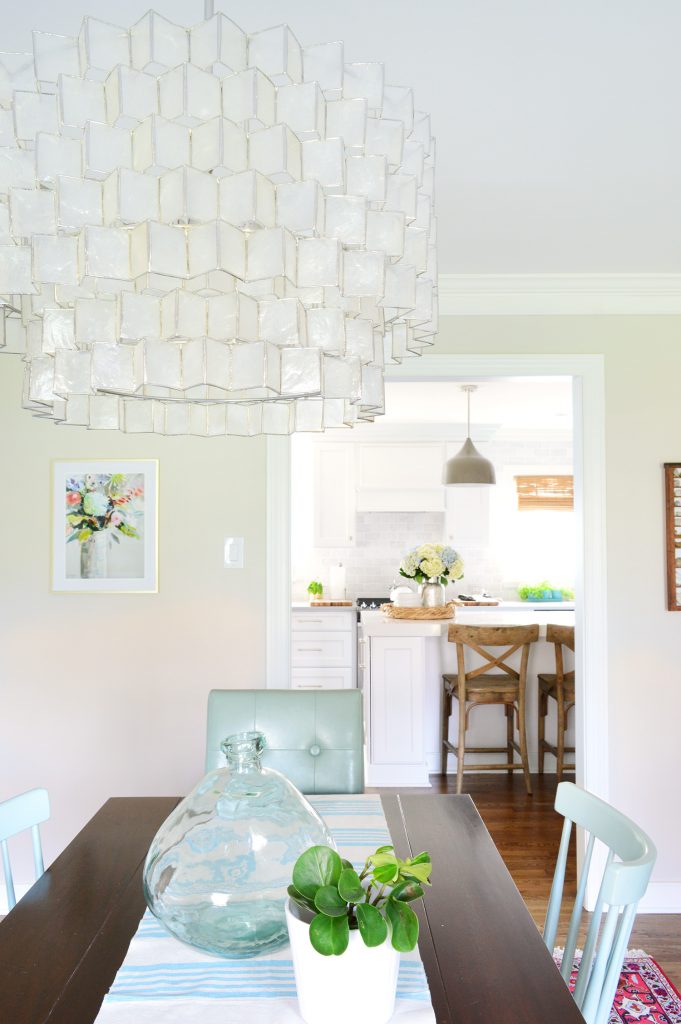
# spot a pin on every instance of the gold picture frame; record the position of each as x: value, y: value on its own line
x: 105, y: 525
x: 672, y: 487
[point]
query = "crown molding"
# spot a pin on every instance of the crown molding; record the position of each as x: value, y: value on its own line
x: 560, y: 294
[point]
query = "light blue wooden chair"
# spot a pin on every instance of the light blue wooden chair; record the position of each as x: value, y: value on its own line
x: 630, y: 861
x: 17, y: 814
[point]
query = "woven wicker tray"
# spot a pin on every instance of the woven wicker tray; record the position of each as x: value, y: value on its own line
x: 392, y: 612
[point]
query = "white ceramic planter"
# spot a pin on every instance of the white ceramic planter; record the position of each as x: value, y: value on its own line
x: 355, y: 988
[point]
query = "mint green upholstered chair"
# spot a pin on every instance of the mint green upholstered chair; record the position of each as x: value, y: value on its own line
x: 630, y: 861
x: 17, y: 814
x: 315, y: 739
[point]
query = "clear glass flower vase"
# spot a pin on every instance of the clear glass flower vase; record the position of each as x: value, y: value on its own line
x: 218, y: 869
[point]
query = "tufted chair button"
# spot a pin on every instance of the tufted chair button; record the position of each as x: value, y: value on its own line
x: 315, y: 750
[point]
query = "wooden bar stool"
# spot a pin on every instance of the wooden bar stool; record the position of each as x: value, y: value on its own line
x: 479, y: 686
x: 561, y: 686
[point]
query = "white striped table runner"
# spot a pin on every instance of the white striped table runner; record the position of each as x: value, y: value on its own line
x: 163, y: 981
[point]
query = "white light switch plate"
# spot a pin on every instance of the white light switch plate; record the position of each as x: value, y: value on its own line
x: 234, y: 552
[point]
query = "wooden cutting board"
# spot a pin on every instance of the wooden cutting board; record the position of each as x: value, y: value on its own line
x: 331, y: 604
x: 475, y: 604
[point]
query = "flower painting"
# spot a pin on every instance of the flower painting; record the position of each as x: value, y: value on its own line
x: 104, y: 526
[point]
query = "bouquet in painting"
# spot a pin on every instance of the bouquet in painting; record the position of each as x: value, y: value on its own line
x: 102, y: 501
x: 435, y: 562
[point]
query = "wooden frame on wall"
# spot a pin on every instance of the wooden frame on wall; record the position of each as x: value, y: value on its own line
x: 672, y: 488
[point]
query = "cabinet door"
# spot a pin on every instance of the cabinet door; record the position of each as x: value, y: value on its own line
x: 321, y: 679
x: 399, y: 477
x: 468, y: 515
x: 397, y: 693
x: 334, y: 495
x: 319, y: 650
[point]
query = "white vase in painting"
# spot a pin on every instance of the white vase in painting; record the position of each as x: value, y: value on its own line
x: 94, y: 556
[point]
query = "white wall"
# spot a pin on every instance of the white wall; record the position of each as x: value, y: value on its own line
x: 105, y: 695
x: 643, y: 430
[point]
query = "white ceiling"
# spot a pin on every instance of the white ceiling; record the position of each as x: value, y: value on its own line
x: 557, y: 121
x: 506, y: 404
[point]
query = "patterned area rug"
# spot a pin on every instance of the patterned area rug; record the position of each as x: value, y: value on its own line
x: 644, y: 993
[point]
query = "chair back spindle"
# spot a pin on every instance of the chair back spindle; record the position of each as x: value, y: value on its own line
x: 630, y: 861
x: 19, y: 813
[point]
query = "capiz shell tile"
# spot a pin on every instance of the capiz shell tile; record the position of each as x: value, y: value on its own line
x: 16, y: 72
x: 324, y: 162
x: 33, y: 113
x: 102, y: 47
x: 54, y: 55
x: 130, y: 197
x: 15, y: 270
x: 80, y: 101
x: 55, y: 260
x: 54, y: 156
x: 220, y: 147
x: 131, y: 96
x: 302, y: 108
x: 106, y: 148
x: 79, y: 203
x: 159, y: 145
x: 32, y: 212
x: 275, y: 152
x: 249, y: 99
x: 96, y: 320
x: 158, y: 44
x: 247, y: 199
x: 277, y: 52
x: 300, y: 207
x: 58, y: 330
x: 189, y: 96
x: 219, y: 45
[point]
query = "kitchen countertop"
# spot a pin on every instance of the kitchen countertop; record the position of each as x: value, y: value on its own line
x: 377, y: 624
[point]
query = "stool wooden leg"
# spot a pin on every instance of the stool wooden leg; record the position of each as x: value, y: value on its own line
x: 446, y: 712
x: 508, y: 708
x: 541, y: 725
x: 462, y: 738
x: 560, y: 733
x: 523, y: 745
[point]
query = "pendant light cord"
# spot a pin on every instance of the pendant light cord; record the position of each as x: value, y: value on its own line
x: 468, y: 431
x: 208, y: 9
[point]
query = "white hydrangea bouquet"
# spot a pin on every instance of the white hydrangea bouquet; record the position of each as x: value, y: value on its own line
x: 434, y: 563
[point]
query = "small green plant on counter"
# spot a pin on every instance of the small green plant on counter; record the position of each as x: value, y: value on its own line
x: 545, y: 591
x: 374, y: 901
x: 315, y: 588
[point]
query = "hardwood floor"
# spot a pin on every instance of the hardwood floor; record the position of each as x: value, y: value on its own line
x: 526, y: 831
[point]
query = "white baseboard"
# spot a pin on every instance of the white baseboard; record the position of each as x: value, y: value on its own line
x: 661, y: 898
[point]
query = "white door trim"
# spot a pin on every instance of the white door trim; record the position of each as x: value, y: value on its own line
x: 587, y: 372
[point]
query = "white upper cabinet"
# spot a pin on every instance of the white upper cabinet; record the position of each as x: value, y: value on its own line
x: 400, y: 477
x: 334, y: 495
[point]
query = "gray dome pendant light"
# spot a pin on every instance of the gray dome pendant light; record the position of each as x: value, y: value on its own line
x: 468, y: 467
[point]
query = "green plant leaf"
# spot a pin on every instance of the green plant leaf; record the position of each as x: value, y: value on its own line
x: 407, y: 891
x: 328, y: 901
x: 405, y: 925
x: 330, y: 935
x: 420, y: 872
x: 379, y: 858
x: 372, y: 925
x: 350, y: 887
x: 346, y: 864
x: 383, y: 849
x: 387, y: 873
x: 318, y: 866
x: 302, y: 901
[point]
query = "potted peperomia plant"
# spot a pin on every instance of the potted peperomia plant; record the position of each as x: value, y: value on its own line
x: 347, y: 931
x: 316, y: 590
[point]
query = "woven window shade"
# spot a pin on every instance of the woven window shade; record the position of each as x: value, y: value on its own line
x: 544, y: 493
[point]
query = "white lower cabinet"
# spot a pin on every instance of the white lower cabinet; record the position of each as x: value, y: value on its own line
x: 321, y: 678
x: 394, y: 704
x: 323, y: 649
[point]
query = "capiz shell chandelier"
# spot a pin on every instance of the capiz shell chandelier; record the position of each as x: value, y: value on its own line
x: 208, y: 232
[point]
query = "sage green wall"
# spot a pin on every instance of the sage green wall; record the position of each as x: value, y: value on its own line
x: 643, y: 430
x: 105, y: 695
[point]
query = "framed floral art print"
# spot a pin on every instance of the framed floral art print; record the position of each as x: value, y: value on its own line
x: 105, y: 526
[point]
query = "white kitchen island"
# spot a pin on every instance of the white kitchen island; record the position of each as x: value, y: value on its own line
x: 401, y: 666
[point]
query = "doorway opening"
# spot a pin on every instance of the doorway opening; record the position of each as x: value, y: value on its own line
x: 586, y: 375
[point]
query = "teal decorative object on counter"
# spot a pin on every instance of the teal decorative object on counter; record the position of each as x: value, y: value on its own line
x: 545, y: 591
x: 217, y: 871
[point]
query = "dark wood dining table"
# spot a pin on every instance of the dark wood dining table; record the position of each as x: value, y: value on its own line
x: 61, y: 946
